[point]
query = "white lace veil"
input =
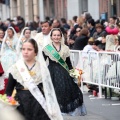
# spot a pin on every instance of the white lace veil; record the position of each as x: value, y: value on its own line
x: 5, y: 37
x: 19, y: 40
x: 62, y: 39
x: 49, y: 92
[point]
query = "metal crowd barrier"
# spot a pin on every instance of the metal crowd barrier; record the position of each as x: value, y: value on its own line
x: 100, y: 68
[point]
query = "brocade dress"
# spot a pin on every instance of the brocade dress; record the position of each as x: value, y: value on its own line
x: 29, y: 106
x: 68, y: 94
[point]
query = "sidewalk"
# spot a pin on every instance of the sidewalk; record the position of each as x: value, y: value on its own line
x: 90, y: 116
x: 98, y: 108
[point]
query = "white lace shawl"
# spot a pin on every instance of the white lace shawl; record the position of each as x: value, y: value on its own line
x: 51, y: 100
x: 16, y: 75
x: 64, y: 53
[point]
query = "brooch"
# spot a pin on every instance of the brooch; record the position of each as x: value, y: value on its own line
x: 32, y: 73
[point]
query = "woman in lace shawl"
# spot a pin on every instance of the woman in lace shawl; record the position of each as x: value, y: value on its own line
x: 25, y: 35
x: 8, y: 54
x: 31, y: 79
x: 68, y: 94
x: 8, y: 49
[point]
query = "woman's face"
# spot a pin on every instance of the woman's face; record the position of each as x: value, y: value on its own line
x: 78, y: 31
x: 99, y: 30
x: 56, y: 36
x: 28, y: 51
x: 27, y: 34
x: 10, y: 33
x: 1, y: 34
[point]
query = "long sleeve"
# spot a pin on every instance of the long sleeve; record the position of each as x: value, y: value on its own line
x: 11, y: 84
x: 69, y: 63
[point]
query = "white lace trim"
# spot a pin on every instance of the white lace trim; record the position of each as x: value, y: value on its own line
x: 2, y: 83
x: 16, y: 75
x: 64, y: 53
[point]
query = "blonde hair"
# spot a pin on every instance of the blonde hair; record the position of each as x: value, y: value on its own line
x: 70, y: 23
x: 80, y: 21
x: 91, y: 41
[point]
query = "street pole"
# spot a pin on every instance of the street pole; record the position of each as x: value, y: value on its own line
x: 112, y: 11
x: 41, y: 10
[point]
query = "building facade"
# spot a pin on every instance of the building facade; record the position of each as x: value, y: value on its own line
x: 110, y: 7
x: 29, y: 9
x: 4, y: 9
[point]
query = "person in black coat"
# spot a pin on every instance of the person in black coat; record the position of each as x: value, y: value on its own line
x: 82, y: 40
x: 91, y: 26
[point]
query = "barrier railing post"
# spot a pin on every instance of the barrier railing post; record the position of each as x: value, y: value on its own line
x: 81, y: 67
x: 99, y: 76
x: 107, y: 72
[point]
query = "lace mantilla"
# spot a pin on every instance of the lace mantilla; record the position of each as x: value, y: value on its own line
x: 64, y: 53
x: 35, y: 74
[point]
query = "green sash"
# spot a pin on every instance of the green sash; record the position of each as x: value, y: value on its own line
x: 56, y: 55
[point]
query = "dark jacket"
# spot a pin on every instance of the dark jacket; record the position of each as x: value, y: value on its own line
x: 80, y: 42
x: 92, y: 31
x: 97, y: 35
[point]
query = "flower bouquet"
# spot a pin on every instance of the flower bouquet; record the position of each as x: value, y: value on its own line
x: 8, y: 101
x: 76, y: 73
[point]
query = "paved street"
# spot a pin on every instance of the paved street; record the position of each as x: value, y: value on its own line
x: 99, y: 109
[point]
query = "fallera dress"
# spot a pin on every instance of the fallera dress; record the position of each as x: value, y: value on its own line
x: 68, y: 94
x: 9, y: 55
x: 29, y: 106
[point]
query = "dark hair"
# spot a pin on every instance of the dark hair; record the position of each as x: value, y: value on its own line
x: 113, y: 17
x: 47, y: 18
x: 25, y: 31
x: 91, y: 21
x: 34, y: 43
x: 63, y: 20
x: 100, y: 46
x: 50, y: 24
x: 97, y: 42
x: 56, y: 29
x: 11, y: 29
x: 88, y: 16
x: 75, y: 18
x: 97, y: 21
x: 104, y: 34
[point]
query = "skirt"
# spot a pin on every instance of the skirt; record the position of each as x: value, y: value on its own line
x: 68, y: 94
x: 29, y: 106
